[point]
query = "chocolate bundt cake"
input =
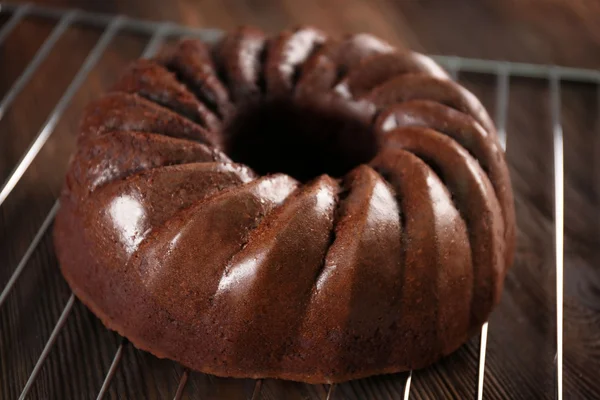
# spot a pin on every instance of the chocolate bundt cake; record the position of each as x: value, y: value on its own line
x: 295, y: 206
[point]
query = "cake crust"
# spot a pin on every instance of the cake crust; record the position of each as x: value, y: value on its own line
x: 290, y: 206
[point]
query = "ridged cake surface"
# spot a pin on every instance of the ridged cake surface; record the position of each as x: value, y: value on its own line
x: 290, y: 206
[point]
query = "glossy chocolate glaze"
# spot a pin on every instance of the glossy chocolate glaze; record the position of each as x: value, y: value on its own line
x: 281, y: 260
x: 129, y: 112
x: 334, y: 59
x: 358, y: 47
x: 483, y: 145
x: 192, y: 62
x: 434, y: 304
x: 287, y: 52
x: 380, y: 68
x: 134, y: 207
x: 384, y: 249
x: 238, y: 57
x: 119, y: 154
x: 477, y: 203
x: 152, y: 81
x: 366, y: 255
x: 426, y: 87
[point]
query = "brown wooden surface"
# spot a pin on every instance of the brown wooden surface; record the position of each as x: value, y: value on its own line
x: 521, y: 346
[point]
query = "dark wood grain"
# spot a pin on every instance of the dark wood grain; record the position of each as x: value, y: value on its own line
x: 522, y: 335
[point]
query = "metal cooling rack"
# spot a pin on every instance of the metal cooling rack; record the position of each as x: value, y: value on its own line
x: 112, y: 25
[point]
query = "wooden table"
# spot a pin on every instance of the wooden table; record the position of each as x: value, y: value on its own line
x: 522, y: 331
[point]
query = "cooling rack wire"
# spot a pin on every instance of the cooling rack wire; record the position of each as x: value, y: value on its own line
x: 112, y: 25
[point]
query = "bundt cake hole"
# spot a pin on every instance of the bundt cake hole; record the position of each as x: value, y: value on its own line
x: 301, y: 138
